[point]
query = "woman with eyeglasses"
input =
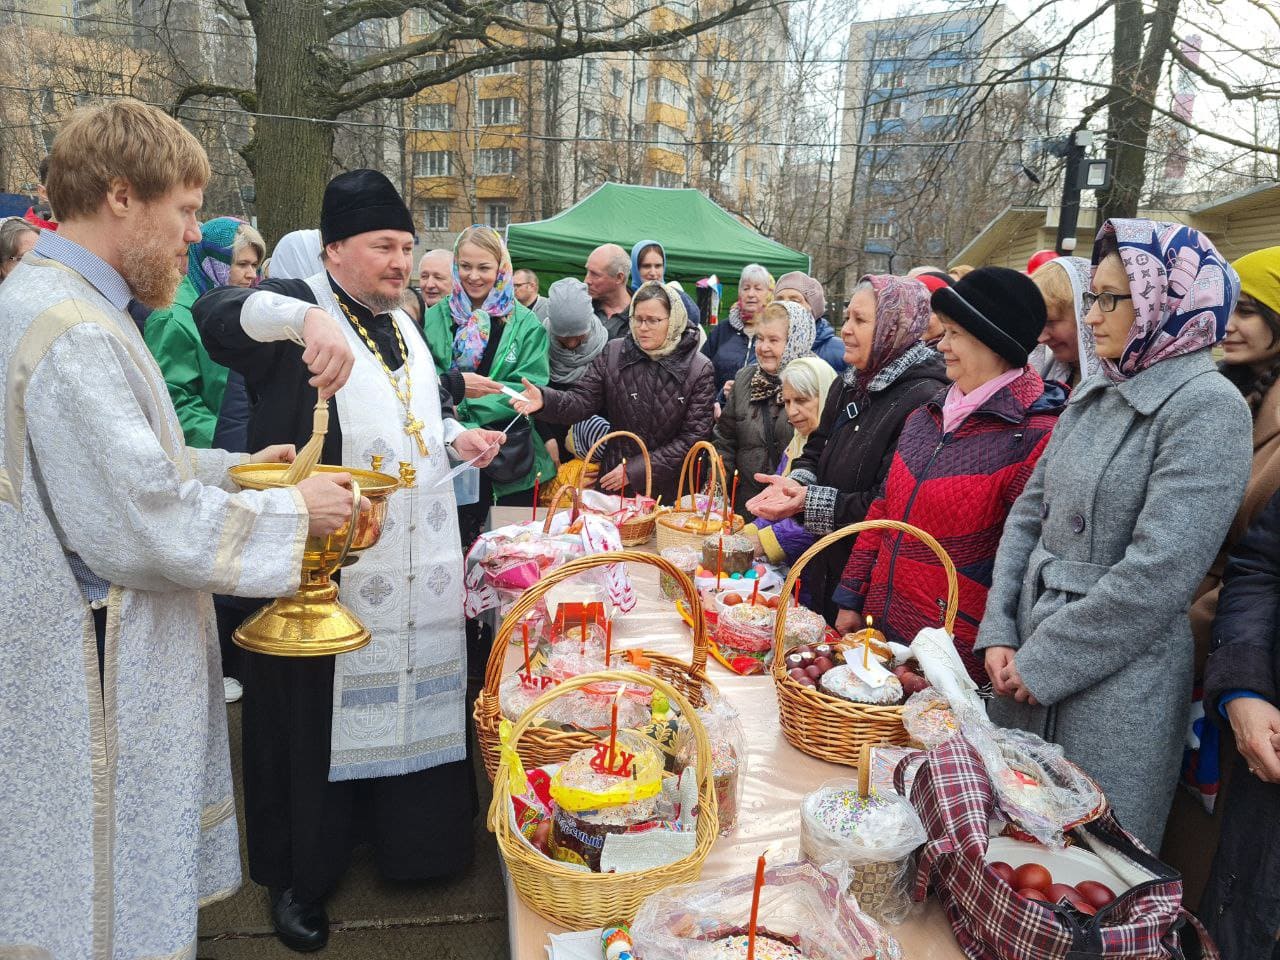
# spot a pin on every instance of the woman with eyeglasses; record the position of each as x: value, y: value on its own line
x: 653, y: 382
x: 17, y: 236
x: 1086, y: 637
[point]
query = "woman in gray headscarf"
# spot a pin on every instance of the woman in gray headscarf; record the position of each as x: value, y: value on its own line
x: 576, y: 337
x: 1066, y: 352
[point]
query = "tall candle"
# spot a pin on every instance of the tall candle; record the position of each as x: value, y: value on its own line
x: 582, y: 636
x: 623, y: 494
x: 755, y: 591
x: 719, y: 559
x: 729, y: 506
x: 537, y: 479
x: 755, y: 908
x: 866, y: 644
x: 608, y: 641
x: 524, y: 629
x: 613, y: 731
x: 697, y: 480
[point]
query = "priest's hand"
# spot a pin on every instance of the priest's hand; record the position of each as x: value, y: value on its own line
x: 483, y: 444
x: 328, y: 499
x: 478, y: 385
x: 276, y: 453
x: 781, y: 497
x: 532, y: 401
x: 327, y: 354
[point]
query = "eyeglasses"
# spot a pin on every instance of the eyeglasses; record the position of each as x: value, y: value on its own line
x: 649, y: 321
x: 1106, y: 301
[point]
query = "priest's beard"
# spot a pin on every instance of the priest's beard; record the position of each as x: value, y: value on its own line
x: 149, y: 267
x: 380, y: 302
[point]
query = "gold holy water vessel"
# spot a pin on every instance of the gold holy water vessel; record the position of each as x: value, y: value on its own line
x: 312, y: 622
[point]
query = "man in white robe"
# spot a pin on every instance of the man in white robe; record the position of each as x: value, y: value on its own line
x: 370, y: 743
x: 116, y: 814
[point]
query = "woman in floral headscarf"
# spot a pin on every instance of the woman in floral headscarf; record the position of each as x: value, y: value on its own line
x: 481, y: 331
x: 753, y: 430
x: 195, y: 382
x: 836, y: 478
x: 1086, y: 636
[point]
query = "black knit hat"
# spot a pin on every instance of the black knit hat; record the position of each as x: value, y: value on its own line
x: 999, y: 306
x: 360, y: 201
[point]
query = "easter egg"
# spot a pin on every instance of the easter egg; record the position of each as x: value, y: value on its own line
x: 735, y: 576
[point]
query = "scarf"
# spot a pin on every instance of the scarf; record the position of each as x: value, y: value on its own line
x: 296, y: 256
x: 958, y: 405
x: 472, y: 324
x: 675, y: 327
x: 209, y: 258
x: 1183, y: 292
x: 826, y: 376
x: 1078, y: 271
x: 636, y: 282
x: 568, y: 366
x: 1259, y: 274
x: 902, y: 313
x: 801, y: 330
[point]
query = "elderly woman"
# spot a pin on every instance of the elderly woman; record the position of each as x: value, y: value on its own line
x: 17, y: 237
x: 839, y: 473
x: 1086, y: 635
x: 652, y: 382
x: 482, y: 338
x: 577, y: 337
x: 196, y: 383
x: 803, y: 289
x: 961, y: 462
x: 729, y: 344
x: 1066, y: 352
x: 753, y: 430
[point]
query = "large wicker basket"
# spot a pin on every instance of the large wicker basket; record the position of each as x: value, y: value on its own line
x: 580, y: 900
x: 636, y: 531
x: 541, y: 745
x: 828, y: 727
x: 671, y: 532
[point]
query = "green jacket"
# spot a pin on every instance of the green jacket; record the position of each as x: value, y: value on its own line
x: 522, y: 352
x: 196, y: 383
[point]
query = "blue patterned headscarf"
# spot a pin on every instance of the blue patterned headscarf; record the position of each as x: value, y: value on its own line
x: 209, y: 258
x: 1183, y: 291
x: 472, y: 325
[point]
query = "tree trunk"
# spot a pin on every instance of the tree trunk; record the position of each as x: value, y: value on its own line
x: 1134, y: 80
x: 292, y: 159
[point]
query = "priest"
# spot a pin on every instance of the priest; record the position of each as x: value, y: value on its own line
x: 116, y: 810
x: 370, y: 744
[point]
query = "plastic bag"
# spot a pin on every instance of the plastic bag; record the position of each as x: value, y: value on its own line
x: 928, y: 718
x: 873, y: 836
x: 798, y: 905
x: 728, y: 755
x: 745, y: 630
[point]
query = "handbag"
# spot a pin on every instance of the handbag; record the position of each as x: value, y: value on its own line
x: 953, y: 795
x: 514, y: 460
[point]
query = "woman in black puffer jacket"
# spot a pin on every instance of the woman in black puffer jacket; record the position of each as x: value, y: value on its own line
x: 652, y: 382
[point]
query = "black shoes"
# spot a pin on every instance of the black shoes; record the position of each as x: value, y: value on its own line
x: 303, y: 927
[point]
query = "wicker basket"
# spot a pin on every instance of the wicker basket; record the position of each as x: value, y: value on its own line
x: 670, y: 531
x: 636, y: 531
x: 580, y: 900
x: 554, y: 505
x: 540, y: 745
x: 828, y: 727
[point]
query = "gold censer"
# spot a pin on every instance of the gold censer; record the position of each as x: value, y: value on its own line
x: 312, y: 622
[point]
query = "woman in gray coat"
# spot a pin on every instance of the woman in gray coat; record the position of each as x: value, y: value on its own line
x: 1086, y: 633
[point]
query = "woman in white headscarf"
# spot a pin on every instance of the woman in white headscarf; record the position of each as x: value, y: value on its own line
x: 1066, y: 352
x: 297, y: 256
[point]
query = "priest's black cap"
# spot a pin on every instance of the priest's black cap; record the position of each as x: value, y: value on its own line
x: 360, y: 201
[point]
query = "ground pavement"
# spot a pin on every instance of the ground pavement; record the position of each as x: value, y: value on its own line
x: 464, y: 919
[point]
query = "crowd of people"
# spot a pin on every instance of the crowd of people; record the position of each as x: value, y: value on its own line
x: 1093, y: 441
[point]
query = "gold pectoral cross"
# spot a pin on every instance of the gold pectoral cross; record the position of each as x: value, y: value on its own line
x: 413, y: 427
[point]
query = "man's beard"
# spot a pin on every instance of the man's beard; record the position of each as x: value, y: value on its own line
x: 380, y: 302
x: 148, y: 267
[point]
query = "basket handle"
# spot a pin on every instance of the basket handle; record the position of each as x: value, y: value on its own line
x: 613, y: 434
x: 788, y: 587
x: 501, y: 787
x: 718, y: 479
x: 554, y: 505
x: 530, y: 598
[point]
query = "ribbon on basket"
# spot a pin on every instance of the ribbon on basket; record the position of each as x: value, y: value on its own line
x: 515, y: 775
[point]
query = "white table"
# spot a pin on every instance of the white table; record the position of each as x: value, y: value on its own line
x: 778, y: 776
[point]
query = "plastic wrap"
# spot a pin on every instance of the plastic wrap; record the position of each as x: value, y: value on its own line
x: 873, y: 837
x: 928, y: 718
x: 728, y: 755
x: 799, y: 907
x: 615, y: 507
x: 802, y: 626
x: 744, y: 631
x: 684, y: 559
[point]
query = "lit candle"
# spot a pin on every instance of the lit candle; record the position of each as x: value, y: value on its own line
x: 755, y: 591
x: 608, y: 641
x: 755, y: 908
x: 719, y: 559
x: 729, y: 505
x: 537, y: 479
x: 524, y: 627
x: 866, y: 644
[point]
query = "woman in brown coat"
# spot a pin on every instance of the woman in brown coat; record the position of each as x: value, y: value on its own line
x: 1251, y: 360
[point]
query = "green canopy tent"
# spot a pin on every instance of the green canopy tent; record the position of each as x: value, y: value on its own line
x: 700, y: 238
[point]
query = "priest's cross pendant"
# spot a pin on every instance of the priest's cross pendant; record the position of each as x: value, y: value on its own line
x: 413, y: 427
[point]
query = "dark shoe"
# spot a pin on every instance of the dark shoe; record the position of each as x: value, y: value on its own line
x: 303, y: 927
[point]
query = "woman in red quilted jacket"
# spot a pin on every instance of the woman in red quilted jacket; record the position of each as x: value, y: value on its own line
x: 961, y: 461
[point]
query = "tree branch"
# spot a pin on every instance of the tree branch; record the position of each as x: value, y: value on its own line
x: 1257, y: 91
x: 247, y: 99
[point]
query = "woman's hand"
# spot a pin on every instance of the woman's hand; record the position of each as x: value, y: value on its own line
x: 782, y: 497
x: 613, y: 479
x: 752, y: 533
x: 848, y: 621
x: 532, y: 400
x: 480, y: 386
x: 276, y: 453
x: 997, y: 658
x: 1256, y: 724
x: 1013, y: 683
